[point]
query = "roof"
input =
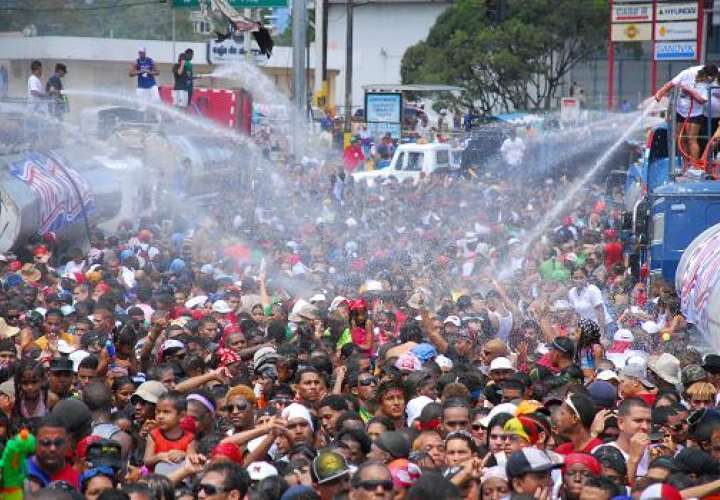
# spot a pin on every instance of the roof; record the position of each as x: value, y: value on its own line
x: 689, y: 188
x: 414, y: 87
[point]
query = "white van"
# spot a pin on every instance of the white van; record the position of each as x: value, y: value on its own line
x: 409, y: 160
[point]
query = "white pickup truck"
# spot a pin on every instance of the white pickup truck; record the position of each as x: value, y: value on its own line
x: 409, y: 161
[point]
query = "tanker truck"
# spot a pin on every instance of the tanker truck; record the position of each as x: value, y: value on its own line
x: 64, y: 192
x: 697, y: 281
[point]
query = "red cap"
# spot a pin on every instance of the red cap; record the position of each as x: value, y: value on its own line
x: 40, y: 250
x: 356, y: 305
x: 15, y: 265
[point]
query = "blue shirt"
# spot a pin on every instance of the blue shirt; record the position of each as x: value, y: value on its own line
x: 145, y: 64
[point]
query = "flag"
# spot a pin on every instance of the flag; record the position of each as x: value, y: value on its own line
x: 52, y: 180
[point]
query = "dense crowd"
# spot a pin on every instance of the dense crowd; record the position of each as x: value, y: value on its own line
x: 314, y: 338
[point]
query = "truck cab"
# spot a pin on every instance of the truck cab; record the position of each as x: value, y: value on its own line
x: 410, y: 161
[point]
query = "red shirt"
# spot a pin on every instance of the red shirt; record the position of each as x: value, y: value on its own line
x: 567, y: 448
x: 353, y: 156
x: 613, y: 254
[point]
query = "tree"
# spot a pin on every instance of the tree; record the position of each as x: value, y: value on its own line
x: 507, y: 54
x: 136, y: 19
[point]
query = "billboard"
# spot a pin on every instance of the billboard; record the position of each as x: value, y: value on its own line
x: 676, y: 51
x: 684, y: 30
x: 687, y: 11
x: 383, y: 113
x: 631, y: 32
x: 641, y: 12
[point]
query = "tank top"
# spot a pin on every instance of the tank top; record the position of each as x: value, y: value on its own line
x: 143, y: 65
x: 163, y: 444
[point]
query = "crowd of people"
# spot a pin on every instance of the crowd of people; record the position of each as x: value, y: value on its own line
x: 400, y: 341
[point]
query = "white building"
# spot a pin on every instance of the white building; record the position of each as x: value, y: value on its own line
x: 382, y: 31
x: 101, y: 64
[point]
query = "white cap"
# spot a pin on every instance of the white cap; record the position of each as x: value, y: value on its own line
x: 337, y: 301
x: 318, y: 297
x: 220, y: 306
x: 65, y: 348
x: 196, y: 301
x: 623, y: 335
x: 296, y: 410
x: 501, y: 364
x: 650, y: 327
x: 261, y: 470
x: 607, y: 376
x: 497, y: 410
x: 454, y: 320
x: 77, y: 357
x: 141, y: 49
x: 444, y: 362
x: 415, y: 407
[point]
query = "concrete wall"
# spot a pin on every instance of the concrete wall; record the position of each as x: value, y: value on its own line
x: 382, y: 32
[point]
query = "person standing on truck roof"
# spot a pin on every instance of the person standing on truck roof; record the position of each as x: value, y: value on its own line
x: 693, y: 82
x: 513, y: 149
x: 183, y: 75
x: 54, y: 89
x: 144, y: 69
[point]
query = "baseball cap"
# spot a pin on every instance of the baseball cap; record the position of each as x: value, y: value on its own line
x: 623, y: 335
x: 694, y: 461
x: 150, y: 391
x: 564, y: 345
x: 221, y: 307
x: 523, y: 427
x: 501, y: 364
x: 261, y: 470
x: 711, y: 363
x: 454, y: 320
x: 61, y: 364
x: 529, y: 460
x: 8, y: 388
x: 264, y: 355
x: 508, y: 408
x: 637, y: 371
x: 328, y: 466
x: 666, y: 367
x: 692, y: 373
x: 104, y: 452
x: 607, y: 376
x: 612, y: 458
x: 602, y: 393
x: 395, y: 443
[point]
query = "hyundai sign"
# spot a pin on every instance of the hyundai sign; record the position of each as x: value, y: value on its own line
x: 676, y: 51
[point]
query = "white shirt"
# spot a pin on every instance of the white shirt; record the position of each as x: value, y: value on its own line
x: 585, y: 301
x: 36, y: 85
x: 513, y: 150
x: 686, y: 78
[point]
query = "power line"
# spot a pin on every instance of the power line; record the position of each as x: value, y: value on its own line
x: 82, y: 9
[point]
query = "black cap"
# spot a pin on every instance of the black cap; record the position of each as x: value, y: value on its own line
x: 61, y: 365
x: 564, y: 345
x: 395, y: 443
x: 612, y: 458
x: 105, y: 452
x: 711, y: 363
x: 695, y: 461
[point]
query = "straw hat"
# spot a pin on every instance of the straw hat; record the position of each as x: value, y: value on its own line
x: 30, y: 274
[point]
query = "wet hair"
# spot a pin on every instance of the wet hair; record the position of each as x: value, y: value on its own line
x: 236, y: 476
x: 613, y: 489
x: 54, y: 312
x: 306, y: 369
x: 161, y: 487
x: 90, y: 363
x: 411, y: 332
x: 359, y: 435
x: 463, y: 436
x: 97, y: 396
x: 336, y: 402
x: 345, y: 417
x: 433, y: 485
x: 626, y: 406
x: 178, y: 400
x: 661, y: 414
x: 383, y: 420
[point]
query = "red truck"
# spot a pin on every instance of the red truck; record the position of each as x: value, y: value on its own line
x: 231, y: 108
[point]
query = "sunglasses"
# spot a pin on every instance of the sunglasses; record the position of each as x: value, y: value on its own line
x: 366, y: 382
x: 57, y: 443
x: 477, y: 427
x: 372, y: 485
x: 209, y: 489
x: 232, y: 408
x: 281, y: 401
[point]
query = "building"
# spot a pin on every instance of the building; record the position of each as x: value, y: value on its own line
x: 382, y: 31
x: 102, y: 64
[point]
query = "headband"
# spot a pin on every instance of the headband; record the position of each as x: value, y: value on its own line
x: 203, y: 401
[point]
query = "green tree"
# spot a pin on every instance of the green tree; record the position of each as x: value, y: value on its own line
x: 517, y: 62
x: 135, y: 19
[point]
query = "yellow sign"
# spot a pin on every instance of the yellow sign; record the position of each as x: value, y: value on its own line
x: 631, y: 32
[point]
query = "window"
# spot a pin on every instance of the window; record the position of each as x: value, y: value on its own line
x: 443, y: 157
x: 400, y: 161
x: 415, y: 161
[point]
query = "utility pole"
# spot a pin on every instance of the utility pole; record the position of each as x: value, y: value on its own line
x: 319, y: 37
x: 299, y: 15
x: 348, y: 64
